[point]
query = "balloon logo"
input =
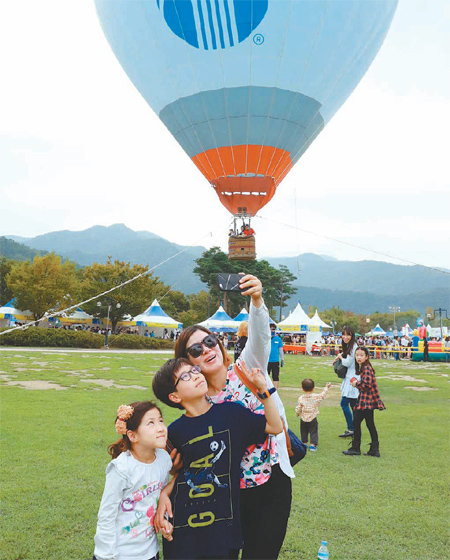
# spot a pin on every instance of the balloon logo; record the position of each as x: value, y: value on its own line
x: 213, y: 24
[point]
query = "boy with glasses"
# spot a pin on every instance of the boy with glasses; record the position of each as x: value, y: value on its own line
x: 212, y: 439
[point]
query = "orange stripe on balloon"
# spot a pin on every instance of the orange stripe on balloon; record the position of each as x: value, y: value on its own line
x: 245, y: 160
x: 245, y: 177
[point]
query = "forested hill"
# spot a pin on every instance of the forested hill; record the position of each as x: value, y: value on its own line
x: 362, y: 276
x: 360, y: 286
x: 17, y: 251
x: 119, y: 242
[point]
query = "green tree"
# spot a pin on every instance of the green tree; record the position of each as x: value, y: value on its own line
x: 276, y: 282
x: 6, y: 293
x: 198, y: 309
x: 211, y: 262
x: 284, y: 286
x: 173, y: 302
x: 44, y: 284
x: 131, y: 299
x: 340, y: 318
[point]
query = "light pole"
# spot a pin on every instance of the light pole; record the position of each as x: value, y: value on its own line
x: 99, y: 304
x: 441, y: 312
x: 394, y: 310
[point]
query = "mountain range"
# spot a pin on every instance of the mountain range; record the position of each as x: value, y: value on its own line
x: 359, y: 286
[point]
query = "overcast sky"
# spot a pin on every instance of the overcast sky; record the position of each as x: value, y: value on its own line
x: 79, y: 146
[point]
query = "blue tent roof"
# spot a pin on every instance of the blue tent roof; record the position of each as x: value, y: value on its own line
x: 243, y: 315
x: 155, y: 316
x: 155, y: 310
x: 10, y: 303
x: 220, y: 322
x: 220, y: 315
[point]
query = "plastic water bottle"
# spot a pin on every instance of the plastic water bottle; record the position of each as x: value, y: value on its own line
x: 323, y: 553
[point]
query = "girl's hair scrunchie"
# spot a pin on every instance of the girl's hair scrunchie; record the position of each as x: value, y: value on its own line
x: 123, y: 413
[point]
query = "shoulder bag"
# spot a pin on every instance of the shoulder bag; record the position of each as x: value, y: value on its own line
x: 339, y: 369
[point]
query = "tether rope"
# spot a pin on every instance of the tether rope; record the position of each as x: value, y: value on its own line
x: 394, y: 257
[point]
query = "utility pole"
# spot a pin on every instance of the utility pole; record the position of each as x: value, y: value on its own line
x: 441, y: 312
x: 281, y: 302
x: 394, y: 310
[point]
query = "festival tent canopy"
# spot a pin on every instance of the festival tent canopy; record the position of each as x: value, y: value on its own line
x: 243, y: 316
x: 316, y: 321
x: 77, y: 317
x: 220, y: 322
x: 297, y: 322
x: 377, y: 331
x: 154, y: 316
x: 407, y: 330
x: 11, y: 313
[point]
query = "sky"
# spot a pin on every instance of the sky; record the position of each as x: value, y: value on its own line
x: 80, y: 147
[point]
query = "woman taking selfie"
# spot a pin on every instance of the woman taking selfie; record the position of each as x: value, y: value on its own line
x: 266, y: 472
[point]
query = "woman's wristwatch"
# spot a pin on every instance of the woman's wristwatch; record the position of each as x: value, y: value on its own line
x: 266, y: 393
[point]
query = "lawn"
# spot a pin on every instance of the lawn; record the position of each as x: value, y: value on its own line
x: 55, y: 432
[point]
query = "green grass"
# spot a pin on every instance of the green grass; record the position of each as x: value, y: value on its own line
x: 54, y: 454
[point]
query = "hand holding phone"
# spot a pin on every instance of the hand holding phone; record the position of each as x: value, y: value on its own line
x: 229, y: 282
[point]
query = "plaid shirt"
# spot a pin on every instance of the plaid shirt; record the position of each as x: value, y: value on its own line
x: 308, y: 405
x: 369, y: 396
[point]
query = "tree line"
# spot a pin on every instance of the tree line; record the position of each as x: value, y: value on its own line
x: 50, y: 283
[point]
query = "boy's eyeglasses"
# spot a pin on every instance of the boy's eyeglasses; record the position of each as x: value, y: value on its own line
x: 196, y: 349
x: 187, y: 375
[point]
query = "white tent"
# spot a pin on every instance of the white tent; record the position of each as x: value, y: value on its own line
x: 155, y: 318
x: 220, y: 322
x: 9, y: 314
x: 316, y: 321
x: 377, y: 331
x: 77, y: 317
x: 242, y: 316
x: 297, y: 322
x: 407, y: 330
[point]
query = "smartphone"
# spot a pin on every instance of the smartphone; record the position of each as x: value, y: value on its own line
x: 228, y: 282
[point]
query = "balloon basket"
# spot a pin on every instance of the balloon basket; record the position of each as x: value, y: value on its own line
x: 241, y: 248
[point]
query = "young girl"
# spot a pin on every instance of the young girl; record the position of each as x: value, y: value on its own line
x: 134, y: 479
x: 368, y: 401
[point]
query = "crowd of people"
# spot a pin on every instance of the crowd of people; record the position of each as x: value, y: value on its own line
x: 397, y: 347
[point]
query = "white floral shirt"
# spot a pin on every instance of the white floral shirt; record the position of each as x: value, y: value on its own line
x: 256, y: 464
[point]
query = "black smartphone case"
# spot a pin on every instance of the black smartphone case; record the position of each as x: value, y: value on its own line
x: 228, y: 282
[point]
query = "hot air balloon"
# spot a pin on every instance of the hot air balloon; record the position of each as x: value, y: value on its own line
x: 245, y: 85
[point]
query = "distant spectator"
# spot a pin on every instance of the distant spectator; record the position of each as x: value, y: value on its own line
x: 242, y: 334
x: 276, y: 357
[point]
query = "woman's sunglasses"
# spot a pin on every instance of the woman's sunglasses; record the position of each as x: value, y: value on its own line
x: 196, y: 349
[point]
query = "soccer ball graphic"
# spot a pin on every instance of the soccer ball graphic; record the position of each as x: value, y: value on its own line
x: 214, y: 446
